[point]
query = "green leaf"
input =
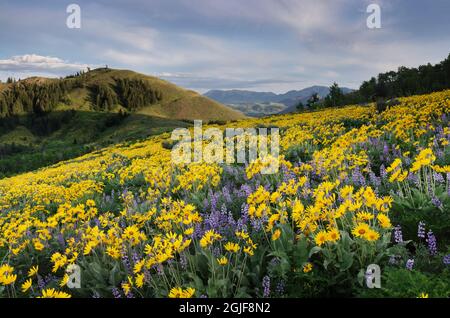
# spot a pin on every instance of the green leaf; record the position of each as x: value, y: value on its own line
x: 314, y: 250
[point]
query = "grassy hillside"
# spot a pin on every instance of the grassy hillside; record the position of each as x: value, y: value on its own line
x: 176, y: 103
x: 80, y: 93
x: 74, y: 123
x: 26, y: 147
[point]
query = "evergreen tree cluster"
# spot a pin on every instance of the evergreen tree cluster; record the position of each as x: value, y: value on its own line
x: 23, y: 97
x: 136, y: 93
x: 105, y: 97
x: 404, y: 82
x: 39, y: 98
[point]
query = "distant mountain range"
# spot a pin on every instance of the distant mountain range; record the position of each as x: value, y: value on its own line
x: 266, y: 103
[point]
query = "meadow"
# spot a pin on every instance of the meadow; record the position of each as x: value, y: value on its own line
x: 356, y: 187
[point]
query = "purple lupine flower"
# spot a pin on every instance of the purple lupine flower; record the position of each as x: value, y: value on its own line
x: 446, y: 259
x: 241, y: 223
x: 41, y: 282
x: 438, y: 177
x: 246, y: 189
x: 421, y: 230
x: 432, y: 243
x: 448, y: 183
x: 393, y: 260
x: 96, y: 295
x: 385, y: 149
x: 358, y: 178
x: 258, y: 224
x: 116, y: 293
x: 410, y: 264
x: 266, y: 286
x: 430, y: 188
x: 126, y: 262
x: 383, y: 172
x: 374, y: 180
x: 213, y: 201
x: 183, y: 261
x: 436, y: 202
x: 280, y: 287
x: 398, y: 236
x: 413, y: 178
x: 61, y: 240
x: 226, y: 194
x: 135, y: 258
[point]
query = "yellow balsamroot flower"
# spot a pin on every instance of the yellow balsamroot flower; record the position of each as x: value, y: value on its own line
x: 321, y: 238
x: 222, y: 261
x: 58, y: 261
x: 272, y: 220
x: 88, y: 248
x: 133, y: 235
x: 26, y: 285
x: 443, y: 169
x: 423, y: 159
x: 126, y: 287
x: 64, y: 280
x: 249, y: 250
x: 242, y: 234
x: 384, y: 221
x: 113, y: 252
x: 274, y: 197
x: 6, y: 275
x: 346, y: 192
x: 307, y: 267
x: 397, y: 162
x: 360, y: 230
x: 232, y: 247
x: 178, y: 292
x: 372, y: 235
x: 423, y: 295
x: 364, y: 216
x: 333, y: 235
x: 189, y: 231
x: 140, y: 280
x: 276, y: 235
x: 33, y: 271
x: 52, y: 293
x: 138, y: 266
x: 402, y: 176
x: 38, y: 246
x: 209, y: 237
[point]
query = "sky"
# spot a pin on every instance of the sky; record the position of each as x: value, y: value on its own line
x: 259, y: 45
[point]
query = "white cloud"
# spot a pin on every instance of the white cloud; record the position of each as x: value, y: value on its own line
x: 38, y: 63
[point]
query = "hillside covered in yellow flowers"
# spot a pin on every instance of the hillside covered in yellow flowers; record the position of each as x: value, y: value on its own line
x: 355, y: 188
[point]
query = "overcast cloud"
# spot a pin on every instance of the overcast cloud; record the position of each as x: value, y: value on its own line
x: 264, y: 45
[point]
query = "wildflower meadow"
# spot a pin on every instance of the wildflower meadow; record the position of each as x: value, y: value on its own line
x: 355, y: 187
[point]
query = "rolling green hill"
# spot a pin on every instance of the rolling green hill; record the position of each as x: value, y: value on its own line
x: 44, y: 121
x: 91, y: 91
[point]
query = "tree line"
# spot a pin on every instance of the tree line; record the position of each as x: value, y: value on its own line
x: 403, y: 82
x: 40, y: 98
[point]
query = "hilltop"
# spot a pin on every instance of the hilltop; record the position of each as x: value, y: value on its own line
x: 112, y: 91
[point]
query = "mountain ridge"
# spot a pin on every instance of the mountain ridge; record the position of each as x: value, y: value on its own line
x: 257, y: 104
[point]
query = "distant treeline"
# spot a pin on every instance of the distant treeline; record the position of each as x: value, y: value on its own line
x: 40, y: 98
x: 404, y: 82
